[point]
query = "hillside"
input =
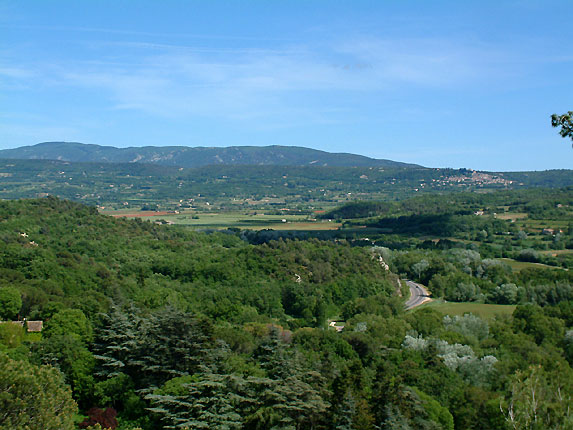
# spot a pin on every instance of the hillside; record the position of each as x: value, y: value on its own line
x: 183, y: 156
x: 77, y: 252
x: 141, y: 318
x: 223, y: 185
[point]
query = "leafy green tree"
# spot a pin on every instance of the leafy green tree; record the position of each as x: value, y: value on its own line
x: 536, y: 403
x: 11, y: 335
x: 505, y: 294
x: 467, y: 325
x: 564, y: 121
x: 116, y: 391
x: 426, y: 321
x: 530, y: 255
x: 70, y: 322
x: 10, y: 303
x: 530, y: 319
x: 463, y: 292
x: 33, y: 397
x: 73, y: 359
x: 436, y: 412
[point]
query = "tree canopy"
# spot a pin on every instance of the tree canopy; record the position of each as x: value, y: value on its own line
x: 157, y: 327
x: 564, y: 121
x: 10, y: 303
x: 33, y: 397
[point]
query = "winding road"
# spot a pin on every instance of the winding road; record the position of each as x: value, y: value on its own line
x: 418, y: 295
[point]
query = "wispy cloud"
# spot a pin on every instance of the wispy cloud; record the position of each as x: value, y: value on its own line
x: 115, y: 31
x: 15, y: 73
x: 288, y: 84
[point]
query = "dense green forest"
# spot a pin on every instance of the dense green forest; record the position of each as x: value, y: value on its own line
x: 536, y: 203
x: 151, y: 326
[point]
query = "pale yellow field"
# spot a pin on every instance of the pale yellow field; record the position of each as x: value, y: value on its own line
x: 511, y: 216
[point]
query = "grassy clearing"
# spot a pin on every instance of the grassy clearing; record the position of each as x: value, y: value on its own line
x: 557, y: 252
x: 224, y: 220
x: 480, y: 309
x: 516, y: 266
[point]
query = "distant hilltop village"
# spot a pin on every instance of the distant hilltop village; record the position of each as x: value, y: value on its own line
x: 478, y: 178
x: 465, y: 179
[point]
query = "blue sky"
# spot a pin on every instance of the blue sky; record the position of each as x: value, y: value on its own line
x: 439, y: 83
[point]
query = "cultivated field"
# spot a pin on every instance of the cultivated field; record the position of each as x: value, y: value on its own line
x: 516, y: 266
x: 223, y: 220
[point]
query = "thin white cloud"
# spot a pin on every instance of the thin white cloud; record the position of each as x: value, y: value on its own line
x: 15, y: 73
x: 115, y: 31
x: 291, y: 84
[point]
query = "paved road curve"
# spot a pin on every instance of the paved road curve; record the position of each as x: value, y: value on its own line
x: 418, y: 295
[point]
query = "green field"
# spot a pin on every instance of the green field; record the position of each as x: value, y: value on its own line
x: 480, y: 309
x: 537, y: 225
x: 223, y: 220
x: 516, y: 266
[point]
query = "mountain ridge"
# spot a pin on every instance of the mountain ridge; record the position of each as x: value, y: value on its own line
x: 186, y: 156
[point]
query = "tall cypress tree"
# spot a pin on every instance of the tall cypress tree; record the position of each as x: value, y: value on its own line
x: 171, y: 344
x: 212, y: 399
x: 295, y: 392
x: 116, y: 341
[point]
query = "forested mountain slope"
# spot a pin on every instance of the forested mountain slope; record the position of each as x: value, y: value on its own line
x: 157, y: 327
x: 71, y: 250
x: 184, y: 156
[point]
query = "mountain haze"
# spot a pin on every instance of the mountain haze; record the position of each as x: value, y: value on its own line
x: 183, y: 156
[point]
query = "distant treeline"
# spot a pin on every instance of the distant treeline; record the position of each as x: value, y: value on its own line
x: 536, y: 203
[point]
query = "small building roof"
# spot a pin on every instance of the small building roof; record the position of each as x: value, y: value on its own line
x: 35, y: 326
